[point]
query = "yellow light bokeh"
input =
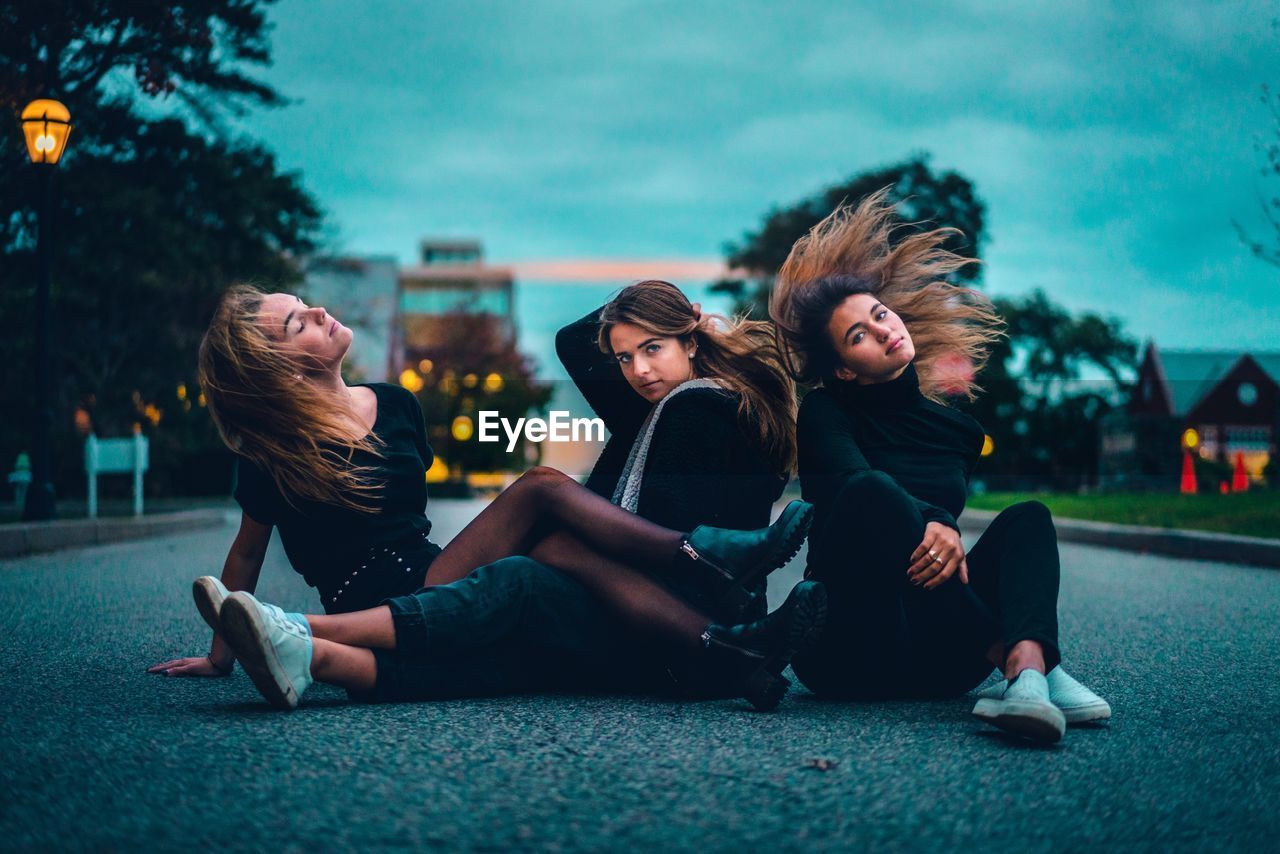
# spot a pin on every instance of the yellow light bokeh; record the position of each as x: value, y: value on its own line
x: 988, y: 446
x: 182, y: 391
x: 493, y: 382
x: 409, y: 379
x: 463, y: 428
x: 1190, y: 438
x: 439, y: 472
x: 426, y: 365
x: 470, y: 380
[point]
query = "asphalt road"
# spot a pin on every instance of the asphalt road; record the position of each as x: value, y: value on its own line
x: 98, y: 754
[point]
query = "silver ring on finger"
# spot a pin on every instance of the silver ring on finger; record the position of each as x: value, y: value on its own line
x: 938, y: 560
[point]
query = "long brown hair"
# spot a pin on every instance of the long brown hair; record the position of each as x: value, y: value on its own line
x: 850, y: 252
x: 299, y: 434
x: 741, y: 354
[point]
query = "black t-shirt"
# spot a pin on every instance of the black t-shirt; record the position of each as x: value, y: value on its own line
x: 325, y: 541
x: 928, y: 449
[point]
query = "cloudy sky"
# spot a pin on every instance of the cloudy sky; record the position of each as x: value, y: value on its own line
x: 1112, y: 142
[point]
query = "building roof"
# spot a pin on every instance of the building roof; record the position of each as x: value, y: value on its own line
x: 1189, y: 375
x: 435, y: 273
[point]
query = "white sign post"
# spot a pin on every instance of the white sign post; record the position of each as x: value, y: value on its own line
x: 116, y: 456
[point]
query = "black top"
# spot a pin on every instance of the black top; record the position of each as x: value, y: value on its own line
x: 704, y: 466
x: 928, y: 449
x: 324, y: 541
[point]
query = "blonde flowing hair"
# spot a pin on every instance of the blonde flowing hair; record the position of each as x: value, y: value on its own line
x: 851, y: 252
x: 741, y: 354
x: 298, y: 434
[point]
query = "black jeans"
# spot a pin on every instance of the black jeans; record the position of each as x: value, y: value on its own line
x: 511, y: 626
x: 886, y: 637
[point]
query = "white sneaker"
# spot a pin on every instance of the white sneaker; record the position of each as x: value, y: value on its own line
x: 1078, y: 704
x: 274, y: 647
x: 209, y: 594
x: 1023, y: 708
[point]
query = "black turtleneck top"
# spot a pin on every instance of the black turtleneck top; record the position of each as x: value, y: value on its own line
x: 928, y: 449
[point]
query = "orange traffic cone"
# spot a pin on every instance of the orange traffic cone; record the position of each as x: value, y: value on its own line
x: 1188, y: 474
x: 1239, y: 478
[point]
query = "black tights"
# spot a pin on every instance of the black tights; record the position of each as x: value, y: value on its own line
x: 888, y: 638
x: 548, y: 516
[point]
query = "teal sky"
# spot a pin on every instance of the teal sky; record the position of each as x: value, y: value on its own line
x: 1112, y: 142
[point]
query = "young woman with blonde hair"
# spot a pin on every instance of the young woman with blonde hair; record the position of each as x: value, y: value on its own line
x: 354, y: 533
x: 886, y: 464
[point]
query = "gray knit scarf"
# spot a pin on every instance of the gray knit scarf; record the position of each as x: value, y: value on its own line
x: 627, y: 493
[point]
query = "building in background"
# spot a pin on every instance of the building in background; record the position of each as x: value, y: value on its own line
x: 362, y: 292
x: 1217, y: 404
x: 453, y: 278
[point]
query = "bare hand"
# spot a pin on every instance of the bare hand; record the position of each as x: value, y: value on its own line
x: 202, y: 666
x: 938, y: 557
x: 697, y: 312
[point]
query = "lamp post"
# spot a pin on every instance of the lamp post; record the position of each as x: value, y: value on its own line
x: 46, y: 124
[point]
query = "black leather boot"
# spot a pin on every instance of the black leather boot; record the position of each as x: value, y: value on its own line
x: 748, y: 659
x: 737, y: 560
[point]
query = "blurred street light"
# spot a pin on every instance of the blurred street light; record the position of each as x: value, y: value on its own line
x: 463, y: 428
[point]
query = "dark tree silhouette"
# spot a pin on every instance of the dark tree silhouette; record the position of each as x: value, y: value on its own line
x: 921, y: 196
x: 160, y: 206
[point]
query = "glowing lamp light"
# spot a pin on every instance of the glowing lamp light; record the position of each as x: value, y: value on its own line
x: 1190, y: 438
x: 426, y: 365
x: 463, y: 429
x: 409, y: 379
x: 439, y: 471
x: 988, y: 446
x: 47, y: 126
x: 493, y: 382
x: 470, y: 380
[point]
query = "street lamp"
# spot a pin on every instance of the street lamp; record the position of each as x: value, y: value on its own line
x: 46, y: 124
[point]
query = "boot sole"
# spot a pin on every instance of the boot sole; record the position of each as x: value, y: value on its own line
x: 246, y: 634
x: 209, y: 600
x: 796, y: 519
x: 799, y: 518
x: 1029, y: 720
x: 766, y: 685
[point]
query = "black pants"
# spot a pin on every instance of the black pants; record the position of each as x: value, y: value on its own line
x: 886, y: 637
x: 511, y: 626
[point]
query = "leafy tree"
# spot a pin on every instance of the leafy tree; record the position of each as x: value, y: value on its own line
x: 1043, y: 418
x: 472, y: 365
x: 933, y: 200
x: 159, y: 206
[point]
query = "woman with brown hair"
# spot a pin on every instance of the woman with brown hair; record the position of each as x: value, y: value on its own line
x: 544, y: 515
x: 886, y: 464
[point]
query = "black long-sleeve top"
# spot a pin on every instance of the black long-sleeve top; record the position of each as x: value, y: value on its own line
x: 704, y: 467
x: 928, y: 449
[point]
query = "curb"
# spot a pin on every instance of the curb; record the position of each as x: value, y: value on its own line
x: 1196, y: 545
x: 26, y: 538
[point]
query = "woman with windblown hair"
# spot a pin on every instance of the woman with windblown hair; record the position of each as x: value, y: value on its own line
x: 886, y: 464
x: 339, y: 470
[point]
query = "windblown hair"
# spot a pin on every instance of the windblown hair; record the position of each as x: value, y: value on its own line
x: 851, y: 252
x: 299, y: 434
x: 741, y: 354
